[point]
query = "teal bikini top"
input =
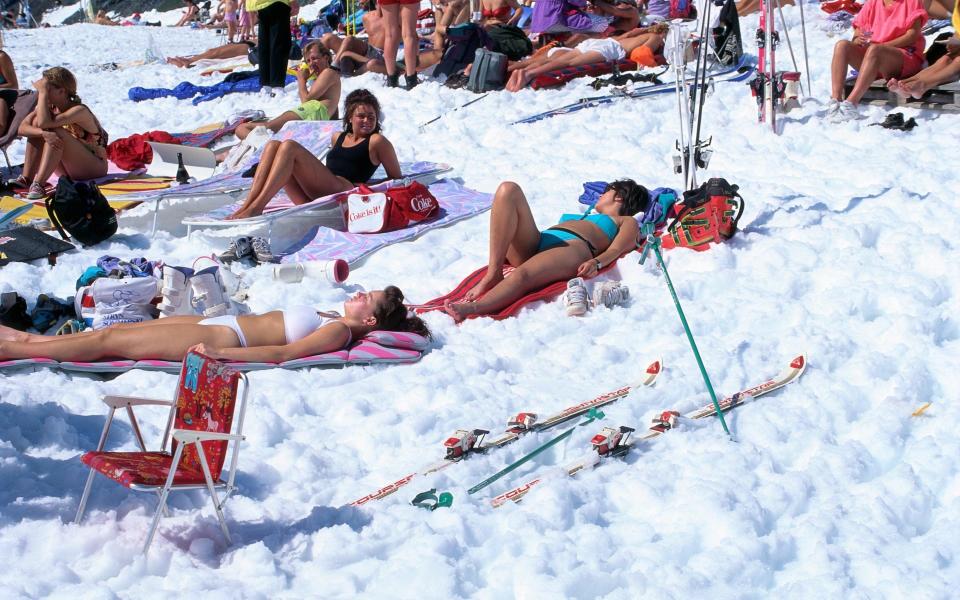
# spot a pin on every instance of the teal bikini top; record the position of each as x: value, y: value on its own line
x: 606, y: 224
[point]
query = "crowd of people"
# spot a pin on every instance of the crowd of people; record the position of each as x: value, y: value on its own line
x: 63, y: 135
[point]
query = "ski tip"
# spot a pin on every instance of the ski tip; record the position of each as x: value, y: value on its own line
x: 655, y: 367
x: 800, y: 362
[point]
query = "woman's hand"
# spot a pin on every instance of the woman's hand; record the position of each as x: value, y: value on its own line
x: 51, y: 139
x: 210, y: 351
x: 41, y: 85
x: 588, y: 268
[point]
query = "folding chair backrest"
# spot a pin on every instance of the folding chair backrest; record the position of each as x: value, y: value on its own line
x: 206, y: 398
x: 25, y: 102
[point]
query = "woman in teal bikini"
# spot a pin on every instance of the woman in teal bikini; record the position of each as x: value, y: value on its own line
x: 578, y: 246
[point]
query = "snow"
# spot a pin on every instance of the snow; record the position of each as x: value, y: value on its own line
x: 831, y: 489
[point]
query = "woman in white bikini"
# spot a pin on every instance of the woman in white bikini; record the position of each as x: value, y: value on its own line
x: 275, y: 336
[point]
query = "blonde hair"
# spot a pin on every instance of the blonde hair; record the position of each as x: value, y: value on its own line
x: 63, y: 78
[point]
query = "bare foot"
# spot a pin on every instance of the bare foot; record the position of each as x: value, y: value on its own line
x: 459, y: 310
x: 240, y: 214
x: 915, y: 88
x: 489, y: 281
x: 518, y: 80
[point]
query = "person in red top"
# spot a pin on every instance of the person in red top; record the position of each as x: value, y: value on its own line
x: 886, y: 42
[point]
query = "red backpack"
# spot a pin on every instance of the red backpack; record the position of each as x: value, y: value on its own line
x: 707, y: 215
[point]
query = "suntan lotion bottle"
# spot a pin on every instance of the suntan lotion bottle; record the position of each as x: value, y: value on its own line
x: 334, y: 271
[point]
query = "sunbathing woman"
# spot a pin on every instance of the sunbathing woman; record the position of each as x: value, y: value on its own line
x: 319, y: 102
x: 586, y: 52
x: 579, y: 246
x: 354, y: 156
x: 63, y: 135
x: 886, y: 42
x: 274, y: 336
x: 944, y: 70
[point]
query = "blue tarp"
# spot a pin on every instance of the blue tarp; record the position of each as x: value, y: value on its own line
x: 206, y: 92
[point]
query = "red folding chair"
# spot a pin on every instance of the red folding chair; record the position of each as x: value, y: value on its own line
x: 199, y: 430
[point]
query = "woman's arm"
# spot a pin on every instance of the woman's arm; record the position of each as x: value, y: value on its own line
x: 386, y: 156
x: 28, y: 127
x: 321, y: 86
x: 907, y: 39
x: 625, y: 240
x: 8, y: 72
x: 329, y: 338
x: 77, y: 114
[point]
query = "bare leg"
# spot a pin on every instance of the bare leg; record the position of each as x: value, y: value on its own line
x: 31, y: 157
x: 292, y: 163
x: 514, y: 236
x: 9, y: 334
x: 72, y: 157
x: 555, y: 264
x: 273, y: 125
x: 877, y: 60
x: 845, y: 53
x: 267, y: 157
x: 945, y: 70
x: 391, y: 36
x: 136, y: 343
x: 411, y: 45
x: 521, y: 77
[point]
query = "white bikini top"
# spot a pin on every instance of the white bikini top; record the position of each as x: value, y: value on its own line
x: 301, y: 321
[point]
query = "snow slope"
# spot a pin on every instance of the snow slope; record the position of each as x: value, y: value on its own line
x: 847, y: 251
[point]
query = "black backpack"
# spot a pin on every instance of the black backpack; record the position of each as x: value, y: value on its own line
x: 461, y: 45
x: 510, y: 40
x: 80, y: 209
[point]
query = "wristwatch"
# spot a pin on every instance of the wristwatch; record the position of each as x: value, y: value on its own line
x: 599, y: 264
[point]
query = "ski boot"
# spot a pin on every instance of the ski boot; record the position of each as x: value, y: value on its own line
x: 217, y: 292
x: 176, y: 292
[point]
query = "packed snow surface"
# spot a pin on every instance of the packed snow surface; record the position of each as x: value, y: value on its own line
x: 831, y: 488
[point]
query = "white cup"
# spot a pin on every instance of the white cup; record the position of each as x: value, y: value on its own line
x: 334, y: 271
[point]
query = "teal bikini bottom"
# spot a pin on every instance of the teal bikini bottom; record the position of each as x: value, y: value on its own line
x: 551, y: 238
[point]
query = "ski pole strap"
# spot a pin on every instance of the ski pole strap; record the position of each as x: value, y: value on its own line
x: 591, y: 416
x: 431, y: 501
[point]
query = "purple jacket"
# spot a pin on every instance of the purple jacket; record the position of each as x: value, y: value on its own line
x: 567, y: 14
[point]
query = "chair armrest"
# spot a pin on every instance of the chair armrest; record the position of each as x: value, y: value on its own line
x: 123, y: 401
x: 188, y: 436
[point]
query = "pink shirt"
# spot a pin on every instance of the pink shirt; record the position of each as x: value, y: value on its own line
x: 890, y: 22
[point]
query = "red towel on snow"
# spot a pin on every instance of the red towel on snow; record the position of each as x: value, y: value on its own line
x: 134, y: 152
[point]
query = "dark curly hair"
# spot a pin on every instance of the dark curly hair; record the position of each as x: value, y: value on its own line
x: 392, y: 314
x: 635, y: 197
x: 355, y: 99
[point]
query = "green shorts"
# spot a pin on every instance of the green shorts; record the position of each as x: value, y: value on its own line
x: 312, y: 110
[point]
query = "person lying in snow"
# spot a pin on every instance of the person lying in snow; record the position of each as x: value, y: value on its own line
x: 886, y: 42
x: 586, y: 52
x: 319, y: 102
x: 352, y: 53
x: 231, y: 50
x: 579, y: 246
x: 354, y: 156
x: 275, y: 336
x: 945, y: 70
x: 63, y: 135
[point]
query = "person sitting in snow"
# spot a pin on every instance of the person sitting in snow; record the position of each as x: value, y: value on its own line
x: 190, y: 14
x: 353, y: 158
x: 579, y: 246
x: 275, y: 336
x: 318, y: 102
x: 886, y: 42
x: 63, y: 135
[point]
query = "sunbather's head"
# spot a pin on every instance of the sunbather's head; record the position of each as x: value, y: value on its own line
x: 623, y: 197
x: 384, y: 309
x: 317, y: 56
x: 61, y: 82
x: 361, y: 113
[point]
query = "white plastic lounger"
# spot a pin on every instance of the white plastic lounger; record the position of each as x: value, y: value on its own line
x: 282, y: 208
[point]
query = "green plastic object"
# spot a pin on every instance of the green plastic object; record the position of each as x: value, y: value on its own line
x: 431, y: 501
x: 590, y: 417
x: 653, y: 243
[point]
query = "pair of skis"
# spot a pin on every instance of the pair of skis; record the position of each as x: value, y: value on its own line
x: 464, y: 443
x: 615, y: 441
x: 739, y: 72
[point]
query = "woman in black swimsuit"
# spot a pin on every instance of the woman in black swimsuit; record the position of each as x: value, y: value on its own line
x: 354, y: 156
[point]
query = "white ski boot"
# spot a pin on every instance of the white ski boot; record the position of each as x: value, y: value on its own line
x: 176, y: 292
x: 217, y: 291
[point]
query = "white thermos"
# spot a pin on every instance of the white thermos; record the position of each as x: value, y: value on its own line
x: 334, y: 271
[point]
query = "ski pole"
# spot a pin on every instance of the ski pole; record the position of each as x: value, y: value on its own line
x: 653, y: 242
x: 438, y: 117
x: 590, y: 417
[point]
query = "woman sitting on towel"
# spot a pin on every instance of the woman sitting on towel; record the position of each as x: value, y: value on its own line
x: 639, y: 45
x: 275, y: 336
x: 578, y: 246
x: 319, y: 102
x: 354, y: 156
x: 63, y: 135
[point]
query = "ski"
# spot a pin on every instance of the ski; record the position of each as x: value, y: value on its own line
x: 464, y: 443
x: 739, y: 72
x: 616, y: 441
